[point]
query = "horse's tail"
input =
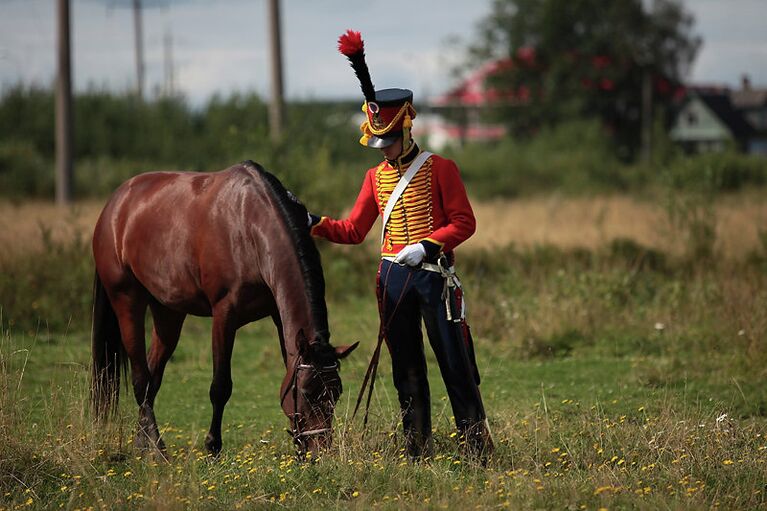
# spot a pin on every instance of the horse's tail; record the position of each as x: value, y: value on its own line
x: 108, y: 354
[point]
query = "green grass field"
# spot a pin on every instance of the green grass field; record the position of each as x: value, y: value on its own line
x: 570, y: 432
x: 614, y: 378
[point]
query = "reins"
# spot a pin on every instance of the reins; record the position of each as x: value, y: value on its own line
x: 370, y: 374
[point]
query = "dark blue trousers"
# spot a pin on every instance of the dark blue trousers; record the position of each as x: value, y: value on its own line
x: 407, y: 296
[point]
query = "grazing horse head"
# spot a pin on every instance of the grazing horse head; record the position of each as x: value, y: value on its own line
x: 312, y: 384
x: 309, y: 394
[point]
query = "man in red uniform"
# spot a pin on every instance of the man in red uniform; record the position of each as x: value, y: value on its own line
x: 426, y: 215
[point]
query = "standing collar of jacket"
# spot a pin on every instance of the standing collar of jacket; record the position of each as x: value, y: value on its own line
x: 404, y: 159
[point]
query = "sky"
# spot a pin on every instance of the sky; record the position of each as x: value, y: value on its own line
x: 221, y: 46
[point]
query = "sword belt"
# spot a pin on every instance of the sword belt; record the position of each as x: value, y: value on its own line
x: 451, y: 282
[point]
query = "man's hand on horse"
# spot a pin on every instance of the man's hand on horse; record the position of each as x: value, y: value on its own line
x: 411, y: 255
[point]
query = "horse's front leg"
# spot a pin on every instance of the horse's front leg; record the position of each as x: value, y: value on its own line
x: 224, y: 329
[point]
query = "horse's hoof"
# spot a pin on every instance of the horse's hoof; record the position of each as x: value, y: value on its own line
x: 141, y: 442
x: 147, y: 449
x: 162, y: 455
x: 117, y: 457
x: 213, y: 446
x: 145, y: 444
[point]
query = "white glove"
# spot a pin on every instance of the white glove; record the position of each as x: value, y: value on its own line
x: 411, y: 255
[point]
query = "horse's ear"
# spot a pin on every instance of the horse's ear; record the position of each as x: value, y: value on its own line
x: 343, y: 351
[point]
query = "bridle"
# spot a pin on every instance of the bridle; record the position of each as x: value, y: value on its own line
x: 299, y: 435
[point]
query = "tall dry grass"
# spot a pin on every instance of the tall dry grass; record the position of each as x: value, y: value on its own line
x: 563, y: 222
x: 25, y: 227
x: 594, y: 222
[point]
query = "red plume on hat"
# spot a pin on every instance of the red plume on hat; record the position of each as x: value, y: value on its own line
x: 353, y: 47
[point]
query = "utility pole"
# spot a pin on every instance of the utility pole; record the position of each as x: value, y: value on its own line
x: 646, y: 61
x: 64, y: 108
x: 276, y: 107
x: 139, y: 33
x: 647, y: 114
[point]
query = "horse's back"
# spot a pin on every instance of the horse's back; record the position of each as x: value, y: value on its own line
x: 164, y: 228
x: 151, y: 204
x: 183, y: 191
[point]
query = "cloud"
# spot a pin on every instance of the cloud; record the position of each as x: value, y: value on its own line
x: 223, y: 46
x: 223, y: 71
x: 727, y: 62
x: 734, y: 41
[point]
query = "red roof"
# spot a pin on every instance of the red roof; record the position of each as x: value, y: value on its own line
x: 473, y: 91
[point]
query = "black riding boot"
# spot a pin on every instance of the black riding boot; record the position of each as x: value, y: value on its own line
x: 476, y: 442
x: 416, y: 425
x: 418, y: 446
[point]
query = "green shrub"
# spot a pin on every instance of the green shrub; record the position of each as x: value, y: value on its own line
x: 574, y: 156
x: 27, y: 115
x: 715, y: 172
x: 117, y: 136
x: 49, y: 290
x: 23, y: 171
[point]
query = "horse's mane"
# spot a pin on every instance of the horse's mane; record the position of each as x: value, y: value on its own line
x: 294, y: 214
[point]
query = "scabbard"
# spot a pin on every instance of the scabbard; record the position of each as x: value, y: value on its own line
x: 455, y: 309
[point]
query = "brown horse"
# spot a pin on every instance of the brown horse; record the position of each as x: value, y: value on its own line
x: 233, y: 245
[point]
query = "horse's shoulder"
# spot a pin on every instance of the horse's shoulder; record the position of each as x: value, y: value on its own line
x: 248, y: 175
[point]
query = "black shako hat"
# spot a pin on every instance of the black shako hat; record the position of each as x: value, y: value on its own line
x: 389, y: 112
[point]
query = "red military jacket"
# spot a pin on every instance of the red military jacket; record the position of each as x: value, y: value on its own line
x: 433, y: 209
